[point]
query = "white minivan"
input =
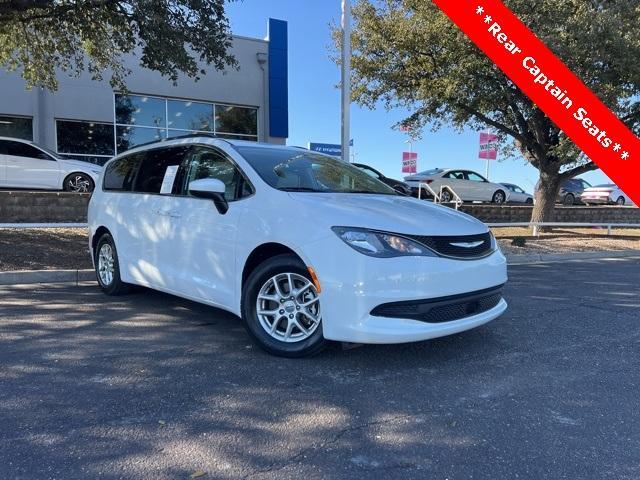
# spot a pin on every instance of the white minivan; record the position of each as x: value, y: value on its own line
x: 303, y: 247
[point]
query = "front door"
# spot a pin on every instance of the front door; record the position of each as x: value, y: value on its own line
x: 30, y: 167
x: 201, y: 257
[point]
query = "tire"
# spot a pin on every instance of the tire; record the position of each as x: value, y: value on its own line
x: 78, y: 182
x: 499, y: 198
x: 446, y: 196
x: 569, y: 199
x: 111, y: 285
x: 620, y: 200
x: 529, y: 201
x: 269, y: 278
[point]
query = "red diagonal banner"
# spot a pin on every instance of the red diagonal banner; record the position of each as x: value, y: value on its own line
x: 552, y: 86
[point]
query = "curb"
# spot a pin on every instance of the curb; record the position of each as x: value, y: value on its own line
x: 23, y: 277
x: 566, y: 257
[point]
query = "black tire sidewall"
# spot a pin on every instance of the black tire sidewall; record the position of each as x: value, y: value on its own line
x: 620, y: 200
x: 255, y: 281
x: 567, y: 197
x: 92, y: 185
x: 504, y: 197
x: 117, y: 286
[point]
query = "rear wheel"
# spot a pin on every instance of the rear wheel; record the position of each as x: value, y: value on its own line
x: 499, y: 197
x: 107, y: 267
x: 281, y: 308
x: 620, y: 200
x: 529, y: 201
x: 78, y: 183
x: 446, y: 196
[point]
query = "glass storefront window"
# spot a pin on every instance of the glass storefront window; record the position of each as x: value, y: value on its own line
x: 129, y: 137
x: 16, y: 127
x: 188, y: 115
x: 84, y: 138
x: 140, y: 110
x: 239, y: 120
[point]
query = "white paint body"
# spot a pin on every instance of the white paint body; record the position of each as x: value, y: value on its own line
x: 182, y: 245
x: 479, y: 189
x: 41, y: 171
x: 604, y: 195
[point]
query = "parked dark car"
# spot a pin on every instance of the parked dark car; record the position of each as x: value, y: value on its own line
x: 571, y: 190
x: 398, y: 185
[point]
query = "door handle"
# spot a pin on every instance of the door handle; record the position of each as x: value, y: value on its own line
x: 169, y: 213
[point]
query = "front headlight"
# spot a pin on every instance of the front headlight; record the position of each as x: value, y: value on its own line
x: 494, y: 242
x: 381, y: 244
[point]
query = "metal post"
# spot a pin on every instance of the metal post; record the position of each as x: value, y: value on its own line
x: 346, y: 77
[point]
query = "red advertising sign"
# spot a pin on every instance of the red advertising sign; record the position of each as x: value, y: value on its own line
x: 488, y: 146
x: 409, y: 162
x: 552, y: 86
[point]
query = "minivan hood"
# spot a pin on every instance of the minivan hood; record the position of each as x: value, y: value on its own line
x: 390, y: 213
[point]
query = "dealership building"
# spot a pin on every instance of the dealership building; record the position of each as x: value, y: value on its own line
x: 88, y: 120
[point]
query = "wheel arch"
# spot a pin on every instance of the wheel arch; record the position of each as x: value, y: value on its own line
x: 101, y: 230
x: 263, y: 252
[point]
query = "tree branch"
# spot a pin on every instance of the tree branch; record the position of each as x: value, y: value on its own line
x: 587, y: 167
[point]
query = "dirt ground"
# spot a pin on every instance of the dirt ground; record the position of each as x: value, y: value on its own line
x: 49, y: 249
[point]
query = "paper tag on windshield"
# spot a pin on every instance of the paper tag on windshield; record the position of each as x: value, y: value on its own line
x: 169, y: 177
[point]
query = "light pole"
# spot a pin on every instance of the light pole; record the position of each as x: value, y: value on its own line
x: 346, y: 77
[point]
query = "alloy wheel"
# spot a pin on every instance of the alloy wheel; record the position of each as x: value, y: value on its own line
x: 79, y: 184
x: 288, y: 307
x: 106, y: 264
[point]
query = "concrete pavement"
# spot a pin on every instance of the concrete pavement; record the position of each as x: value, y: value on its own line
x: 152, y: 386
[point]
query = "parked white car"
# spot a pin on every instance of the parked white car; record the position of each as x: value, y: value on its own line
x: 607, y: 194
x: 517, y: 194
x: 469, y: 186
x: 303, y: 247
x: 24, y: 164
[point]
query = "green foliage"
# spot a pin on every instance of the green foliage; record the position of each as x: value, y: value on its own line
x: 171, y: 36
x: 407, y: 53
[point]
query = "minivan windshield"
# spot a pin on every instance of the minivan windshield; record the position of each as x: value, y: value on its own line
x: 297, y: 170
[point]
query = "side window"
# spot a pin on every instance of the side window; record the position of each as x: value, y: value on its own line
x: 19, y: 149
x: 120, y: 173
x: 455, y: 175
x: 154, y: 166
x: 370, y: 172
x: 474, y: 177
x: 518, y: 190
x: 205, y: 162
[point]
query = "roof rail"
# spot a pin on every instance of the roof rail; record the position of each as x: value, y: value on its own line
x: 188, y: 135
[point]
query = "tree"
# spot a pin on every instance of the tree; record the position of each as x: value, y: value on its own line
x: 407, y: 53
x: 170, y: 36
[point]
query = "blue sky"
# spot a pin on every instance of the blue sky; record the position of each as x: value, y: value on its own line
x: 314, y: 100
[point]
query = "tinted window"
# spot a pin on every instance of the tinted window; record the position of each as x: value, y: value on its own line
x: 236, y: 120
x: 120, y: 173
x: 84, y: 138
x: 207, y: 162
x: 16, y: 127
x: 369, y: 171
x: 188, y: 115
x: 154, y: 166
x: 140, y: 110
x: 455, y: 175
x: 19, y: 149
x: 474, y: 177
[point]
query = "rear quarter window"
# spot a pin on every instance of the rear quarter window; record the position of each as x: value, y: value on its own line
x: 120, y: 174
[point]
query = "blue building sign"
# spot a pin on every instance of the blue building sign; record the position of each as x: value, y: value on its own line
x: 326, y: 148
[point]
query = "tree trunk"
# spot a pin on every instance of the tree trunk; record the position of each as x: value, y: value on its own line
x: 545, y: 195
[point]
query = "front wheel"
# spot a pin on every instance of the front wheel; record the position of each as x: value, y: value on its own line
x: 620, y: 200
x: 569, y: 200
x: 446, y: 196
x: 281, y: 308
x: 78, y: 183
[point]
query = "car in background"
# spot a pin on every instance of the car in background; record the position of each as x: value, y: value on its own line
x: 517, y: 194
x: 571, y: 190
x: 606, y: 194
x: 24, y: 164
x: 304, y: 247
x: 397, y: 185
x: 468, y: 185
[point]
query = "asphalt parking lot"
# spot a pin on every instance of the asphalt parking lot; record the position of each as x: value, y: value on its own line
x: 152, y: 386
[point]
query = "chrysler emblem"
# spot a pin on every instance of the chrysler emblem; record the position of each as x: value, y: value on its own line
x: 467, y: 244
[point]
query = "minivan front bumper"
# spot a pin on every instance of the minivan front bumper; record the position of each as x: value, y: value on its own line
x: 355, y: 286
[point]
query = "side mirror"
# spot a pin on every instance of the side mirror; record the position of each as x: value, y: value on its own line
x: 211, y: 188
